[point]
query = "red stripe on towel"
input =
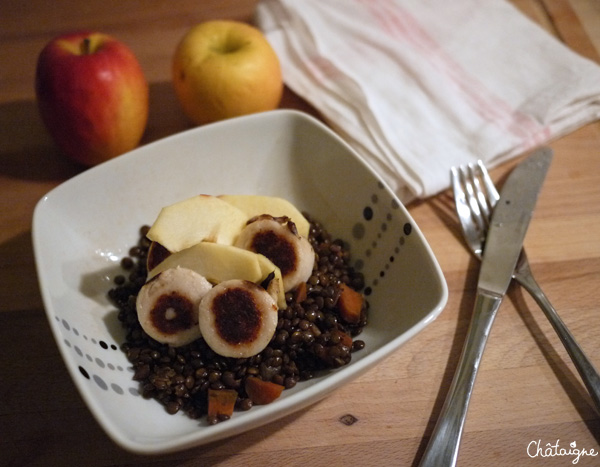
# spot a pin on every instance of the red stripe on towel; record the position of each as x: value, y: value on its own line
x: 399, y: 24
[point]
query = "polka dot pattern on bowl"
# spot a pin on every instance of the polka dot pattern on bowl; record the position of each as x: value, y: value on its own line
x: 93, y: 363
x: 379, y: 220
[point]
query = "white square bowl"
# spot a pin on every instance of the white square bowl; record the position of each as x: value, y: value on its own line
x: 83, y: 228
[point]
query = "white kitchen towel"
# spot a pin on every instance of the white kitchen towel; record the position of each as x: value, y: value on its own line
x: 417, y: 86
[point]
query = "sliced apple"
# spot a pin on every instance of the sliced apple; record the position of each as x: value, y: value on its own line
x: 214, y: 261
x: 202, y: 218
x: 255, y: 205
x: 220, y: 263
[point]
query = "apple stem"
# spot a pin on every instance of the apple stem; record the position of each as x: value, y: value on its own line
x: 86, y: 46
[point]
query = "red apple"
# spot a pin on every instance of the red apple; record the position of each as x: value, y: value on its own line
x: 92, y: 96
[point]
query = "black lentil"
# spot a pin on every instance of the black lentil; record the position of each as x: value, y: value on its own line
x: 309, y: 338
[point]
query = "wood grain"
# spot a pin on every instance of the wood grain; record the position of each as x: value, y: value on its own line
x: 527, y: 388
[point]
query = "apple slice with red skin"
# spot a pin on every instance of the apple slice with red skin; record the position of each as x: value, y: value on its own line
x: 156, y: 255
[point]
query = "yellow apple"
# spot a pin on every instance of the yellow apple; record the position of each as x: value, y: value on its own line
x: 202, y: 218
x: 255, y: 205
x: 224, y: 69
x: 92, y: 96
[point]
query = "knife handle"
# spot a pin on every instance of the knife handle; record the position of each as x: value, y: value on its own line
x: 442, y: 449
x: 586, y: 369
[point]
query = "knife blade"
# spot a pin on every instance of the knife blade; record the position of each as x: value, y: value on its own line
x: 503, y: 245
x: 510, y: 220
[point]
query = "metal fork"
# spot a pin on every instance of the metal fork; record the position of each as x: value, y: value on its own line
x: 475, y: 197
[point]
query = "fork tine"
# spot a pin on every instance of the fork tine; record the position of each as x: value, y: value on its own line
x: 494, y: 196
x: 480, y: 195
x: 468, y: 181
x: 460, y: 198
x: 463, y: 202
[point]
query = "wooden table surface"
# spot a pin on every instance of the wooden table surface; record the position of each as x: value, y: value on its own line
x: 527, y: 389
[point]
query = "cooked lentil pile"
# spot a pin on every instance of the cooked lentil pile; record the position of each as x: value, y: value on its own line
x: 310, y: 337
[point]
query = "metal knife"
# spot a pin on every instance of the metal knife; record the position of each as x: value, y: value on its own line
x: 504, y: 241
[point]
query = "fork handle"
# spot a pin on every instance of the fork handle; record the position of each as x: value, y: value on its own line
x: 586, y: 370
x: 442, y: 449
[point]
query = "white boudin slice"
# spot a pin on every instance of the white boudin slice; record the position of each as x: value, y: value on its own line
x: 237, y: 318
x: 167, y: 306
x: 278, y: 240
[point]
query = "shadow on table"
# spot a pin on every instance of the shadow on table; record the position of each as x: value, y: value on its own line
x: 18, y: 279
x: 26, y: 150
x: 568, y: 378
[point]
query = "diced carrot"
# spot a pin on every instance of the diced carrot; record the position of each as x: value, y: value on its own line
x: 221, y: 402
x: 350, y: 304
x: 262, y: 392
